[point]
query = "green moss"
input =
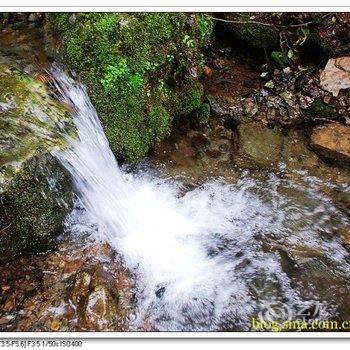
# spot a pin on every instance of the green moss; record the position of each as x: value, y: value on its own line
x: 134, y: 65
x: 33, y: 207
x: 254, y: 34
x: 203, y: 113
x: 31, y: 120
x: 205, y: 26
x: 190, y: 100
x: 281, y: 58
x: 319, y: 109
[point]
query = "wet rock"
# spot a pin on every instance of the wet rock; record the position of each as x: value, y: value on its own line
x: 81, y: 288
x: 218, y: 106
x: 33, y: 207
x: 320, y: 110
x: 35, y: 191
x: 160, y: 292
x: 336, y: 75
x: 296, y: 153
x: 258, y: 146
x: 332, y: 141
x: 99, y: 308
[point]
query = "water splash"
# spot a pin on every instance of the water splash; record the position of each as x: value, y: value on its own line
x: 198, y: 257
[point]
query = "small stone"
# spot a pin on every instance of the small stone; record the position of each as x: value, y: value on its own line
x: 99, y: 308
x: 72, y: 19
x: 160, y: 292
x: 207, y: 71
x: 33, y: 17
x: 270, y: 84
x: 213, y: 153
x: 55, y: 325
x: 81, y: 288
x: 218, y: 106
x: 326, y: 99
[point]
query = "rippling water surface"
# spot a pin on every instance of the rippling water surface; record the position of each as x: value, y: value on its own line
x: 209, y: 257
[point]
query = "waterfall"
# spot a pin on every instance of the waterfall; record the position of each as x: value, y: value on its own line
x: 196, y: 256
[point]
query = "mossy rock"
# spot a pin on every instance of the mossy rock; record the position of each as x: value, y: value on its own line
x: 253, y: 34
x: 31, y: 121
x: 318, y: 109
x: 316, y: 47
x: 35, y: 193
x: 33, y: 207
x: 141, y: 70
x: 203, y: 113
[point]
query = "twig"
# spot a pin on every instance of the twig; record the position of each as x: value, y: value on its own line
x: 305, y: 24
x: 6, y: 227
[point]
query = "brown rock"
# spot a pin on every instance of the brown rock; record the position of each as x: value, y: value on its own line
x: 99, y: 309
x: 332, y: 141
x: 81, y: 288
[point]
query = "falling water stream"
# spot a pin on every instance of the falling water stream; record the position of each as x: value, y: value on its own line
x: 200, y: 257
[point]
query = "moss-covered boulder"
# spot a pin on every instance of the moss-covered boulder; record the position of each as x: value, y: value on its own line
x: 35, y: 193
x: 319, y: 110
x: 33, y: 207
x: 31, y: 121
x: 245, y: 28
x: 141, y: 70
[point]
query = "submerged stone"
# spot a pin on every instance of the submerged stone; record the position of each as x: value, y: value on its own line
x: 258, y: 147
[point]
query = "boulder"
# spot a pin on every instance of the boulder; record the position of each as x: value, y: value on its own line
x: 258, y: 146
x: 35, y: 192
x: 332, y: 141
x: 141, y: 69
x: 244, y: 27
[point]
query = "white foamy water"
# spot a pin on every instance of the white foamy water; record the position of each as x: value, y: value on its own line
x: 197, y: 257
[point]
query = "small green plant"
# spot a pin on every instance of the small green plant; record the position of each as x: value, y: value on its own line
x: 170, y: 58
x: 205, y: 26
x: 135, y: 82
x: 281, y: 58
x: 115, y: 72
x: 119, y: 71
x: 203, y: 113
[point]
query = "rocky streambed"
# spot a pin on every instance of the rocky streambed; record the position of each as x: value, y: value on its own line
x: 282, y: 132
